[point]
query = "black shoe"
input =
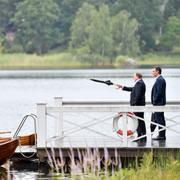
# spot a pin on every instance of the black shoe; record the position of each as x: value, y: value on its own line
x: 159, y: 138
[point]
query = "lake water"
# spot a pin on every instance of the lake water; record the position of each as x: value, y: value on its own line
x: 21, y: 90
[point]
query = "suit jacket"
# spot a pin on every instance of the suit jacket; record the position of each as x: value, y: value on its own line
x: 158, y: 93
x: 137, y: 96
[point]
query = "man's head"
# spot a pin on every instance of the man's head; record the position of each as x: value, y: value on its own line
x: 137, y: 76
x: 156, y: 71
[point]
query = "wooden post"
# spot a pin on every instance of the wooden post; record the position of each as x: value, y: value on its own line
x: 41, y: 125
x: 125, y: 137
x: 59, y: 118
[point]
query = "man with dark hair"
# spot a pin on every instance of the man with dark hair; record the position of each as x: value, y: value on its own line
x: 158, y: 98
x: 137, y: 98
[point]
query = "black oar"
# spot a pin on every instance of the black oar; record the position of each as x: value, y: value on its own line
x: 108, y: 82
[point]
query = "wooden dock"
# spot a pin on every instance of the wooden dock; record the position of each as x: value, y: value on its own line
x: 133, y: 149
x: 69, y: 137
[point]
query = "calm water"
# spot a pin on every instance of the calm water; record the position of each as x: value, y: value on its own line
x: 21, y: 90
x: 19, y: 94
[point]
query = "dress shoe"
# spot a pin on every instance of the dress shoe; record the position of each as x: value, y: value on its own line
x: 159, y: 138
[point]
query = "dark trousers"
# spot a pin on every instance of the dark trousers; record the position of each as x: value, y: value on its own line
x: 158, y: 117
x: 141, y: 130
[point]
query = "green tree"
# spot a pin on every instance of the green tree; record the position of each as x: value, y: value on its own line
x: 7, y: 11
x: 68, y: 10
x: 172, y: 9
x: 171, y: 35
x: 91, y: 32
x: 97, y: 3
x: 79, y: 34
x: 96, y: 33
x: 35, y: 23
x: 124, y: 32
x: 1, y: 46
x: 100, y: 37
x: 148, y: 14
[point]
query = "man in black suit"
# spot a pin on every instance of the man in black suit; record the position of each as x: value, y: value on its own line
x: 137, y: 98
x: 158, y: 98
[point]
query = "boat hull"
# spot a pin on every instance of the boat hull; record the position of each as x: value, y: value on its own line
x: 27, y: 140
x: 7, y: 149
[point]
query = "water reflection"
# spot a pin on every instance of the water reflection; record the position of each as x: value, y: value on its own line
x: 24, y: 169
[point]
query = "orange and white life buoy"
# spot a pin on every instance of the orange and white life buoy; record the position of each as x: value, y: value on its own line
x: 132, y: 124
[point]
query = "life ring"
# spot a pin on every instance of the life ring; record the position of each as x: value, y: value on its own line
x: 132, y: 124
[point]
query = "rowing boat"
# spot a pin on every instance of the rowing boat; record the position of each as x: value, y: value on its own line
x: 7, y: 149
x: 27, y: 140
x: 23, y: 140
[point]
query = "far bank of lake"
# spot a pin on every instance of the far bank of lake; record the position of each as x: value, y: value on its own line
x: 67, y: 60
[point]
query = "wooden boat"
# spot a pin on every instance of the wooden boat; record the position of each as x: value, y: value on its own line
x: 7, y: 149
x: 23, y: 140
x: 27, y: 140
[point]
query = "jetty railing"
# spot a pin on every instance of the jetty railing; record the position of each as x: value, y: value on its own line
x: 60, y: 107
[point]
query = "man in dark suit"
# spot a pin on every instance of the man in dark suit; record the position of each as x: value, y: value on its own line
x: 137, y: 98
x: 158, y: 98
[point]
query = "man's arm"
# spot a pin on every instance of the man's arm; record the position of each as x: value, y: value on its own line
x: 124, y: 88
x: 138, y: 93
x: 127, y: 88
x: 159, y: 90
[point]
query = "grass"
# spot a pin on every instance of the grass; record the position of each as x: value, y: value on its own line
x: 68, y: 61
x: 158, y: 169
x: 33, y: 61
x: 159, y: 59
x: 91, y: 166
x: 3, y: 173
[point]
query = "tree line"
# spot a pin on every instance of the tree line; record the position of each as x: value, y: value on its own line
x: 103, y: 28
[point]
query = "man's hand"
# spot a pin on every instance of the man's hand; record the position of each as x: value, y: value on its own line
x: 118, y: 86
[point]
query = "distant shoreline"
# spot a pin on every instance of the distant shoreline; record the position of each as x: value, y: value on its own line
x: 60, y: 61
x: 4, y: 68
